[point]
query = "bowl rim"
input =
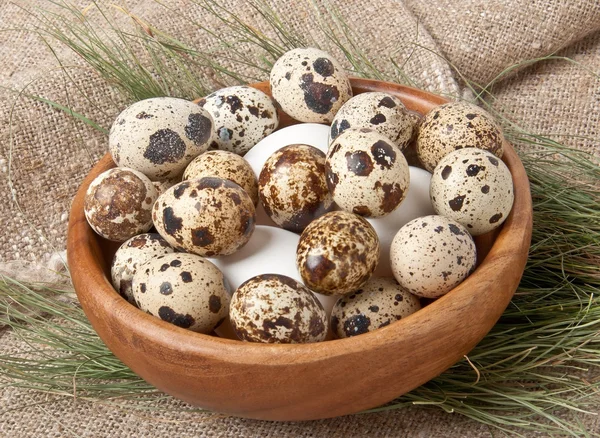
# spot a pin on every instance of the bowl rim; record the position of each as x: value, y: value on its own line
x: 103, y: 305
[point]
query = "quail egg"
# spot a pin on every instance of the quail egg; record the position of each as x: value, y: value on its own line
x: 118, y: 204
x: 162, y: 186
x: 274, y: 308
x: 378, y: 303
x: 160, y: 136
x: 431, y: 255
x: 381, y: 112
x: 208, y: 216
x: 309, y: 85
x: 367, y: 173
x: 456, y: 125
x: 474, y: 188
x: 242, y: 117
x: 226, y: 165
x: 292, y: 186
x: 337, y: 253
x: 132, y: 254
x: 184, y: 289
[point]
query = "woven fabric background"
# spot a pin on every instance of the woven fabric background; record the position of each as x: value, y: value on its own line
x: 482, y: 38
x: 44, y: 154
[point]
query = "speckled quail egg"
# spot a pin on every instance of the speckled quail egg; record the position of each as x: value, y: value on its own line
x: 160, y: 136
x: 165, y: 184
x: 274, y: 308
x: 309, y: 85
x: 456, y: 125
x: 242, y: 117
x: 378, y: 303
x: 473, y: 187
x: 431, y: 255
x: 292, y: 186
x: 366, y: 173
x: 337, y: 253
x: 378, y: 111
x: 184, y: 289
x: 118, y: 204
x: 208, y: 216
x: 226, y: 165
x: 132, y: 254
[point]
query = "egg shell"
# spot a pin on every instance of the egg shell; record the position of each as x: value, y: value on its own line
x: 270, y: 249
x: 312, y: 134
x: 456, y: 125
x: 184, y: 289
x: 377, y: 304
x: 242, y: 116
x: 431, y: 255
x: 160, y: 136
x: 378, y: 111
x: 416, y: 204
x: 292, y: 187
x: 337, y: 253
x: 118, y: 204
x: 273, y: 308
x: 474, y: 188
x: 309, y: 85
x: 132, y: 254
x: 207, y: 216
x: 367, y: 173
x: 226, y: 165
x: 164, y: 185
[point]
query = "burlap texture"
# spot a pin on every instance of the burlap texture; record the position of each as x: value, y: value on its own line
x: 558, y: 98
x: 51, y: 153
x: 482, y: 38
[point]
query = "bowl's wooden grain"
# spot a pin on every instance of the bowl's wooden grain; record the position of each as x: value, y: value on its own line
x: 302, y: 382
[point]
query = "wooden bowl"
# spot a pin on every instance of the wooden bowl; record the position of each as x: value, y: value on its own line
x: 309, y: 381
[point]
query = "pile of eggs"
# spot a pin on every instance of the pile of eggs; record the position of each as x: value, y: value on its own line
x: 317, y: 230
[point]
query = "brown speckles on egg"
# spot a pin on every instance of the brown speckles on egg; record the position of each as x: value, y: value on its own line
x: 180, y: 320
x: 132, y: 254
x: 456, y: 203
x: 366, y: 173
x: 118, y: 204
x: 478, y: 194
x: 198, y: 128
x: 384, y: 154
x: 309, y: 85
x: 337, y: 253
x: 244, y: 116
x: 359, y: 163
x: 378, y: 111
x: 380, y: 302
x: 292, y: 186
x: 424, y: 256
x: 471, y: 127
x: 318, y: 97
x: 190, y: 294
x: 159, y: 136
x: 202, y: 216
x: 495, y: 218
x: 446, y: 171
x: 273, y: 308
x: 324, y: 67
x: 226, y: 165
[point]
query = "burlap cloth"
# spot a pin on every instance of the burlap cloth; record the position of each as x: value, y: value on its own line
x: 46, y: 154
